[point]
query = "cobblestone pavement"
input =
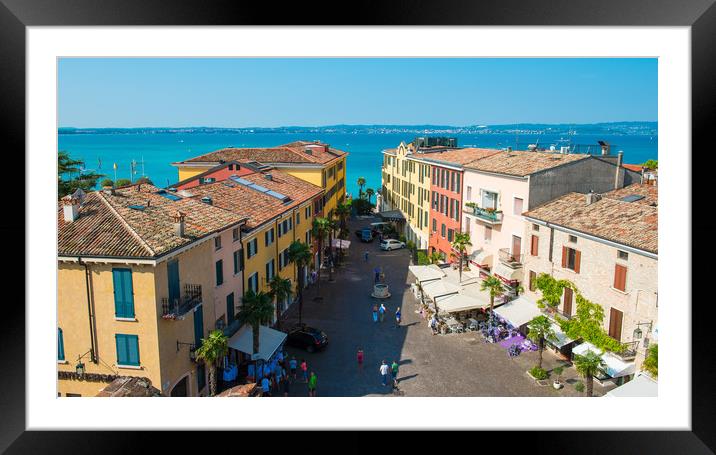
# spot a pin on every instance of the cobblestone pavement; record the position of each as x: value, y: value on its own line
x: 430, y: 365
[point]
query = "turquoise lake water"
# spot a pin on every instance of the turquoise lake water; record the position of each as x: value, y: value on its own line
x: 100, y: 151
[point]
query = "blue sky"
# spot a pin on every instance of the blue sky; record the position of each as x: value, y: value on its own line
x: 168, y: 92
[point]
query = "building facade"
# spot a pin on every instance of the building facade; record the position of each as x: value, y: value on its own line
x: 136, y: 290
x: 607, y: 246
x: 499, y: 188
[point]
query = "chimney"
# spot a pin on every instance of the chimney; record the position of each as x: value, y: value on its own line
x: 606, y: 148
x: 71, y: 208
x: 179, y: 223
x: 268, y: 177
x: 620, y: 159
x: 108, y: 190
x: 509, y: 149
x: 592, y: 197
x: 139, y: 187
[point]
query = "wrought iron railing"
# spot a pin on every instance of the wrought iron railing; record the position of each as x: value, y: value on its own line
x: 190, y: 299
x: 490, y: 215
x: 509, y: 258
x: 629, y: 352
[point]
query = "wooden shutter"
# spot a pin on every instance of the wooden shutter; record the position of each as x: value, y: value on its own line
x: 615, y: 324
x: 122, y: 353
x: 132, y: 349
x: 577, y: 260
x: 533, y: 277
x: 535, y: 245
x: 564, y: 257
x: 567, y: 308
x: 219, y: 272
x: 620, y: 277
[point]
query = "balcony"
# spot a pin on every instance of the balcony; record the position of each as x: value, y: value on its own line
x: 190, y: 299
x: 490, y: 216
x: 510, y: 259
x: 629, y: 352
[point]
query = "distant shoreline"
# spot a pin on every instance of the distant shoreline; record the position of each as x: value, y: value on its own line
x: 612, y: 128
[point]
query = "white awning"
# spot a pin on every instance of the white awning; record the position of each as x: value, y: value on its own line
x: 508, y: 273
x: 458, y: 302
x: 615, y: 367
x: 269, y: 341
x: 519, y: 311
x: 641, y: 386
x: 426, y: 272
x: 439, y: 288
x: 342, y: 244
x: 480, y: 257
x: 561, y: 338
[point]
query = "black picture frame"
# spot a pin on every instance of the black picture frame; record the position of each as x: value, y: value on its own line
x: 16, y: 15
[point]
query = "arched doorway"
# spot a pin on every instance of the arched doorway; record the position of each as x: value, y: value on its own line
x: 180, y: 389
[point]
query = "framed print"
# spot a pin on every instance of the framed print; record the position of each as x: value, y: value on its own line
x: 433, y: 218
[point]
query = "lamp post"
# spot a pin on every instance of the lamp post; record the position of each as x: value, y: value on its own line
x: 80, y: 367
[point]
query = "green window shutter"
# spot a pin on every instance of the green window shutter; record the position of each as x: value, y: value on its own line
x: 132, y: 350
x: 122, y: 354
x: 236, y: 261
x: 123, y: 293
x: 219, y: 272
x: 60, y: 345
x: 230, y: 308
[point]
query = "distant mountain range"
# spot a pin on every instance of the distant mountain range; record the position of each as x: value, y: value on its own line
x: 611, y: 128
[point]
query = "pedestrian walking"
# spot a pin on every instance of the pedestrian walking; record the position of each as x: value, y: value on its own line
x: 397, y: 317
x: 381, y: 312
x: 384, y: 370
x: 375, y: 313
x: 360, y: 359
x: 433, y: 325
x: 286, y: 387
x: 377, y: 274
x: 394, y: 372
x: 266, y: 386
x: 365, y: 255
x: 293, y: 365
x: 312, y: 384
x: 304, y: 368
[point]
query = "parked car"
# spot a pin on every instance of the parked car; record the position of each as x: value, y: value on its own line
x: 308, y: 338
x: 391, y: 244
x: 366, y: 235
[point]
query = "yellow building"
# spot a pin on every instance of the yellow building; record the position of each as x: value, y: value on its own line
x: 135, y: 287
x: 279, y: 208
x: 406, y: 188
x: 313, y: 162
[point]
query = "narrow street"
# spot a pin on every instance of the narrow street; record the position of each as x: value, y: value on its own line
x: 440, y: 365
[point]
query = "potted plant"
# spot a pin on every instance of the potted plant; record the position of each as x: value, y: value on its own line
x: 557, y: 383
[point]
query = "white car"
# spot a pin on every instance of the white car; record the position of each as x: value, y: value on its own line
x: 391, y: 244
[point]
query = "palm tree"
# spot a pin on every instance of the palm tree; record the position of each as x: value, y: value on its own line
x: 343, y: 211
x: 540, y: 330
x: 256, y: 310
x: 361, y: 184
x: 321, y: 228
x: 460, y: 243
x: 211, y: 350
x: 280, y: 290
x: 587, y: 366
x: 494, y: 285
x: 299, y: 253
x: 369, y: 192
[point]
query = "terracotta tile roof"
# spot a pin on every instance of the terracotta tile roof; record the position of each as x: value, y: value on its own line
x: 458, y: 157
x: 108, y: 227
x: 633, y: 224
x: 257, y: 206
x: 128, y: 386
x: 650, y: 193
x: 523, y: 163
x: 633, y: 167
x: 295, y: 152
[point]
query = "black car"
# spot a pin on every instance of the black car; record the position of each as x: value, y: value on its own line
x: 307, y: 338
